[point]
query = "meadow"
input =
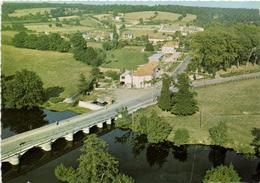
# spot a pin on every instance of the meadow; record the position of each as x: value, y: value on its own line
x: 234, y: 103
x: 126, y: 58
x: 24, y: 12
x: 54, y: 68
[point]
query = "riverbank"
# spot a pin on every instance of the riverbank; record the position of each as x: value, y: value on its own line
x: 234, y: 103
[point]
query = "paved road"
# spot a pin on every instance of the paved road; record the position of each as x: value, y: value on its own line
x: 11, y: 146
x: 201, y: 83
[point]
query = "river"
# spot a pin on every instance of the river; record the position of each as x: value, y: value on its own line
x: 146, y: 163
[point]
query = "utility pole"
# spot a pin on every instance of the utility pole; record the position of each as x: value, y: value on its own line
x: 200, y: 117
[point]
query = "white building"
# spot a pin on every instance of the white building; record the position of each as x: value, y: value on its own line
x: 142, y: 77
x: 170, y: 48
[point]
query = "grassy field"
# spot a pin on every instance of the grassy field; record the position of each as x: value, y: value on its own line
x: 126, y: 58
x: 188, y: 18
x: 236, y: 103
x: 166, y: 16
x: 44, y: 27
x: 23, y: 12
x: 55, y: 69
x: 7, y: 36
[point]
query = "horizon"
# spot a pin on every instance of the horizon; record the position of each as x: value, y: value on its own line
x: 203, y: 4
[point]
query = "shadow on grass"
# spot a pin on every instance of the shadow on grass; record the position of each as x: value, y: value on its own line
x: 53, y: 92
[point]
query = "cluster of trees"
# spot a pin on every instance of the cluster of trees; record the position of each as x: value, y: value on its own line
x: 180, y: 103
x: 205, y: 16
x: 95, y: 165
x: 84, y: 53
x: 221, y: 47
x: 149, y: 47
x: 221, y: 174
x: 23, y: 90
x: 87, y: 85
x: 113, y: 43
x: 52, y: 41
x: 14, y: 27
x: 156, y: 129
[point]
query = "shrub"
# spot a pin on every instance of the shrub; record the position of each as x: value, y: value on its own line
x: 221, y: 174
x: 181, y: 136
x: 113, y: 74
x: 218, y: 134
x: 55, y: 100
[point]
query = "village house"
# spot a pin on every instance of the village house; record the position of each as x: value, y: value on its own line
x: 142, y: 77
x: 128, y: 35
x: 170, y: 47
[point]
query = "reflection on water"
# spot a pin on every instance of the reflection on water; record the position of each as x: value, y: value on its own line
x: 15, y: 121
x: 147, y: 163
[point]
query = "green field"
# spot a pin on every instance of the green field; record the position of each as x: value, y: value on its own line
x: 24, y: 12
x: 7, y: 36
x: 55, y: 69
x: 44, y: 27
x: 236, y: 103
x: 126, y: 58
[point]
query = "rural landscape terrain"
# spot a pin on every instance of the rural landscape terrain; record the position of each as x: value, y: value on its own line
x: 129, y: 93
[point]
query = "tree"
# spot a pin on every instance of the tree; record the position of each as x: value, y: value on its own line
x: 164, y: 101
x: 256, y: 140
x: 181, y: 136
x: 85, y: 86
x: 20, y: 39
x: 149, y: 47
x: 95, y: 165
x: 221, y: 174
x: 183, y: 101
x: 25, y: 90
x: 218, y: 134
x: 156, y: 129
x: 125, y: 120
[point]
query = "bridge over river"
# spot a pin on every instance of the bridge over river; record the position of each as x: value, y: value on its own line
x: 13, y: 147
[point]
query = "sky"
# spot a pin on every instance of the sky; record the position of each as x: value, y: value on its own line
x: 202, y: 3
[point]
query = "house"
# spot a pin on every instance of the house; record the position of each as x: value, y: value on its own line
x: 155, y: 41
x: 142, y: 77
x: 170, y: 47
x: 155, y: 58
x: 128, y: 35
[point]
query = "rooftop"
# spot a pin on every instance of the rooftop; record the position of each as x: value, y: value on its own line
x: 156, y: 56
x: 146, y: 69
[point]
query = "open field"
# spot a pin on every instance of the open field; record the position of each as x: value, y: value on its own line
x: 44, y: 27
x: 126, y: 58
x: 55, y: 69
x: 235, y: 103
x: 135, y: 16
x: 24, y: 12
x: 7, y: 36
x: 189, y: 18
x: 166, y: 16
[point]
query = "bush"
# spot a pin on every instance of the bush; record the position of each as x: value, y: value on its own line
x: 181, y: 136
x: 113, y: 74
x: 221, y: 174
x: 218, y: 134
x: 55, y: 100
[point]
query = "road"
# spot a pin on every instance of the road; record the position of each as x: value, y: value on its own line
x: 20, y: 143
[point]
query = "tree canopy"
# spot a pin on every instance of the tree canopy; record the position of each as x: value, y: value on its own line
x: 84, y: 53
x: 164, y: 101
x: 221, y: 47
x: 53, y: 41
x: 95, y: 165
x: 25, y: 90
x: 221, y: 174
x: 183, y: 101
